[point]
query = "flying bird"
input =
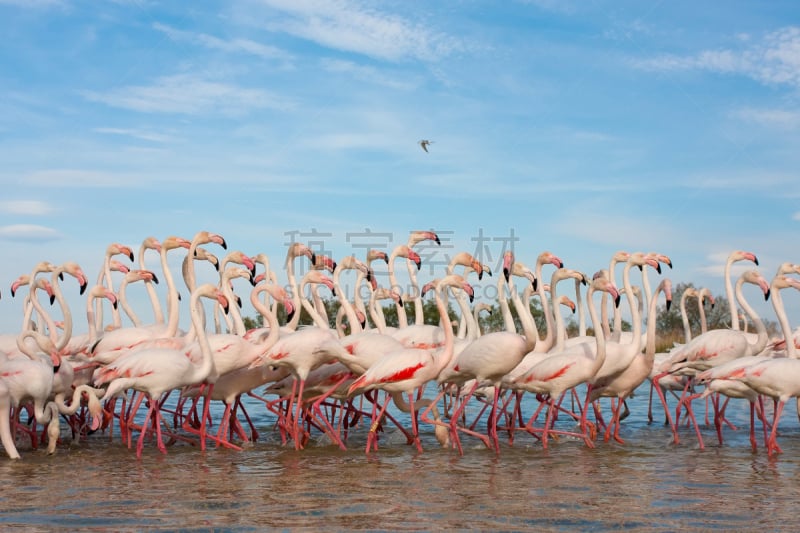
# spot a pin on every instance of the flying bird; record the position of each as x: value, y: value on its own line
x: 424, y: 143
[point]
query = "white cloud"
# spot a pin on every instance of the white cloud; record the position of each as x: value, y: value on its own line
x: 781, y: 118
x: 235, y: 45
x: 25, y: 207
x: 188, y: 94
x: 355, y: 27
x: 138, y: 134
x: 80, y: 178
x: 34, y: 4
x: 28, y: 232
x: 774, y: 60
x: 367, y: 74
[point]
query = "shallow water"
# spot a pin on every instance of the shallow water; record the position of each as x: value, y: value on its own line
x: 648, y: 483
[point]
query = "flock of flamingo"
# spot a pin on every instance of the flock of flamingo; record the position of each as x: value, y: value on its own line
x: 325, y: 380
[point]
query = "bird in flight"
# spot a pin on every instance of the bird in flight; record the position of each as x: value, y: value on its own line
x: 424, y: 143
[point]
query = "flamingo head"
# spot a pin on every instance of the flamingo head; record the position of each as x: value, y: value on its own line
x: 548, y: 257
x: 118, y: 266
x: 666, y: 286
x: 373, y: 255
x: 19, y: 282
x: 74, y: 270
x: 151, y: 243
x: 172, y: 242
x: 508, y: 264
x: 417, y: 237
x: 755, y: 277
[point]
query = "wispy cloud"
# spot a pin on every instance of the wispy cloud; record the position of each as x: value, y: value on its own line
x: 34, y: 4
x: 779, y: 118
x: 355, y: 27
x: 28, y: 232
x: 81, y: 178
x: 25, y: 207
x: 368, y: 74
x: 137, y: 134
x: 773, y: 60
x: 189, y: 94
x: 215, y: 43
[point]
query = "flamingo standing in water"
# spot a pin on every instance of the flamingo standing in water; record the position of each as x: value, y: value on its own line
x: 155, y: 371
x: 405, y: 371
x: 571, y: 367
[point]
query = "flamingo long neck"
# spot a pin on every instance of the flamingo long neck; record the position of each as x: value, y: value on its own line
x: 634, y: 307
x: 67, y: 329
x: 599, y: 337
x: 376, y: 313
x: 729, y: 294
x: 173, y: 306
x: 650, y: 343
x: 90, y: 319
x: 702, y: 310
x: 237, y: 322
x: 579, y: 305
x: 123, y: 301
x: 42, y: 313
x: 312, y: 312
x: 358, y: 300
x: 158, y: 313
x: 761, y: 341
x: 297, y: 298
x: 271, y: 317
x: 548, y: 312
x: 561, y: 330
x: 525, y: 318
x: 349, y: 310
x: 502, y: 301
x: 687, y: 330
x: 783, y: 320
x: 402, y: 319
x: 419, y: 313
x: 444, y: 356
x: 206, y: 366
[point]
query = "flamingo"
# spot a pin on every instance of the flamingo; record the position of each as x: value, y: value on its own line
x: 622, y: 385
x: 406, y: 370
x: 487, y: 359
x: 717, y: 346
x: 571, y: 367
x: 155, y: 371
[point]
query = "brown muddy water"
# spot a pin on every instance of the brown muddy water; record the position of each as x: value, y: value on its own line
x: 647, y: 484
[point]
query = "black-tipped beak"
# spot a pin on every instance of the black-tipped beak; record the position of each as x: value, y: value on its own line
x: 766, y: 295
x: 313, y: 258
x: 363, y: 324
x: 114, y: 304
x: 223, y: 244
x: 658, y: 268
x: 289, y: 316
x: 155, y: 279
x: 83, y: 288
x: 506, y: 274
x: 369, y: 276
x: 438, y: 241
x: 61, y: 276
x: 55, y: 368
x: 419, y: 264
x: 535, y: 284
x: 669, y: 304
x: 480, y: 275
x: 755, y: 260
x: 400, y: 301
x: 616, y: 301
x: 52, y: 299
x: 130, y: 255
x: 239, y: 302
x: 386, y: 259
x: 333, y: 292
x: 471, y: 298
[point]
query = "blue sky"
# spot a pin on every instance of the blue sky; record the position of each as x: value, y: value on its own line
x: 579, y: 127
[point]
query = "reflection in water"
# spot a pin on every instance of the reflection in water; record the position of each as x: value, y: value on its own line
x: 647, y: 483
